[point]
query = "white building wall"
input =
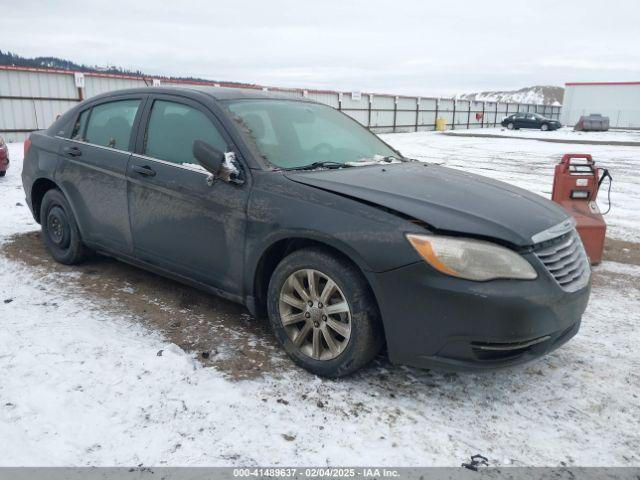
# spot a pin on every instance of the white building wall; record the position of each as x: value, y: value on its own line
x: 618, y: 101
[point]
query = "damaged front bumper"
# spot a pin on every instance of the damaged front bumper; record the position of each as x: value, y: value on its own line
x: 432, y: 320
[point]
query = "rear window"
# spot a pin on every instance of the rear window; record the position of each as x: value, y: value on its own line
x: 110, y: 124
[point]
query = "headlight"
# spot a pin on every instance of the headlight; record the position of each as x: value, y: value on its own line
x: 471, y: 259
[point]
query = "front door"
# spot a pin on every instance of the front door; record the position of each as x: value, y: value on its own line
x: 180, y: 221
x: 93, y: 173
x: 519, y: 120
x: 531, y: 121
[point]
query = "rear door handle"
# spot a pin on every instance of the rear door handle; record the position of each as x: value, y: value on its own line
x: 145, y: 170
x: 72, y: 151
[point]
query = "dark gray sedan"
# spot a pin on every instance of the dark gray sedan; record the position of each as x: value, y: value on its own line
x: 530, y: 120
x: 298, y: 212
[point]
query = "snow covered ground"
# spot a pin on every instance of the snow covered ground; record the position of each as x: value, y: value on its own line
x: 83, y: 384
x: 564, y: 133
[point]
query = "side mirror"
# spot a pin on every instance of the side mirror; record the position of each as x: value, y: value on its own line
x: 209, y: 157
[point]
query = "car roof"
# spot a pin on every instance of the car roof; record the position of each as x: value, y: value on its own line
x: 217, y: 93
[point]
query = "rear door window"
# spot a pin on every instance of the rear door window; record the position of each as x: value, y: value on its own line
x: 172, y: 129
x: 110, y: 124
x: 80, y: 126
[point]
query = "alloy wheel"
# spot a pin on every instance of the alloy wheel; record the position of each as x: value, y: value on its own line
x: 315, y: 314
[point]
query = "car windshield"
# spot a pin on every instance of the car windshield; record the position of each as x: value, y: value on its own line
x: 293, y: 134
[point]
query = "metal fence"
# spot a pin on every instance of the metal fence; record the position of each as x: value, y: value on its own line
x: 31, y: 99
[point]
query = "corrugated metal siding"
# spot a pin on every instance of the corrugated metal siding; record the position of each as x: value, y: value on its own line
x: 348, y: 101
x: 407, y: 103
x: 290, y: 93
x: 619, y: 102
x: 360, y: 116
x: 406, y: 119
x: 427, y: 114
x: 97, y: 85
x: 17, y: 115
x: 330, y: 99
x: 31, y: 100
x: 48, y: 110
x: 34, y: 84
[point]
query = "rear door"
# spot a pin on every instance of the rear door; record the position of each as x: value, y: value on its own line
x: 180, y: 221
x: 93, y: 173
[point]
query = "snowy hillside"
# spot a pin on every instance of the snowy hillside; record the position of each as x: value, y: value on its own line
x: 538, y: 94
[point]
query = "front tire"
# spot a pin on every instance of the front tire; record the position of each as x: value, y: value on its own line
x: 2, y: 174
x: 544, y: 127
x: 323, y: 313
x: 510, y: 126
x: 60, y: 232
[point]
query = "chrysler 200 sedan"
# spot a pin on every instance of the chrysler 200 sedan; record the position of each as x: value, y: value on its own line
x: 298, y: 212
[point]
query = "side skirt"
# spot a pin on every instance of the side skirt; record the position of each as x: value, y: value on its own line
x: 168, y: 274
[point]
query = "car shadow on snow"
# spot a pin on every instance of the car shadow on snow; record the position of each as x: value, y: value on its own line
x: 221, y: 333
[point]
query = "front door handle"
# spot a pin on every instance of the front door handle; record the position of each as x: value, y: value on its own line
x: 72, y: 151
x: 145, y: 170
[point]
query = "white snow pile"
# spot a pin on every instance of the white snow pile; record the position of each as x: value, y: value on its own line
x: 81, y: 385
x: 538, y: 95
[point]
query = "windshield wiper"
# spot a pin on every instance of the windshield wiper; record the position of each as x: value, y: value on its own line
x: 314, y: 165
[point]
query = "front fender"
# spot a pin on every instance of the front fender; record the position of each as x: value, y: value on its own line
x: 278, y: 209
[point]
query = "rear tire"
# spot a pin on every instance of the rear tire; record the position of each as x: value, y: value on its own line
x: 340, y: 305
x: 2, y: 174
x: 60, y: 232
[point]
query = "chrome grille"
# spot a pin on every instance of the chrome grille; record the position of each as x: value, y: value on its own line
x: 566, y: 260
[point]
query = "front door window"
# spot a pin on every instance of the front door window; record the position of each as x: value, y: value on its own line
x: 173, y: 127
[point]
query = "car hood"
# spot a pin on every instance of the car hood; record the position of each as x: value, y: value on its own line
x: 447, y: 200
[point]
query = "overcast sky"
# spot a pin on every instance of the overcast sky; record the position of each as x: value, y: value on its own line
x: 406, y: 47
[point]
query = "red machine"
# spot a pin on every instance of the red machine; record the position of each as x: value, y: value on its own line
x: 575, y: 186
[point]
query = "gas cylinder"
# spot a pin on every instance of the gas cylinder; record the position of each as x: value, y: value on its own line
x: 575, y: 186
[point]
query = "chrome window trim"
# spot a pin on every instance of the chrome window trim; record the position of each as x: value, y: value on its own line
x: 93, y: 145
x: 171, y: 164
x: 138, y: 155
